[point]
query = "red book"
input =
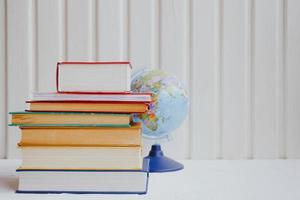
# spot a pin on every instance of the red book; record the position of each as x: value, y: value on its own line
x: 93, y: 77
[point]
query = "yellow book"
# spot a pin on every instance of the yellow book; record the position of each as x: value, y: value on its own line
x: 69, y: 119
x: 99, y: 158
x: 81, y: 136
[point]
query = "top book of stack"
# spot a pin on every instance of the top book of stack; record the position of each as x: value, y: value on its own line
x: 93, y: 77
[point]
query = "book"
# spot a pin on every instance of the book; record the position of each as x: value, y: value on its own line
x: 90, y: 77
x: 70, y: 157
x: 87, y: 106
x: 84, y: 181
x: 113, y: 97
x: 69, y: 119
x: 81, y: 136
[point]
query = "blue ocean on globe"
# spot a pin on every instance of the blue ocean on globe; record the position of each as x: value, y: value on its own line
x: 170, y: 103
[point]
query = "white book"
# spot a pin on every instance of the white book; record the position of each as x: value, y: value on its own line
x: 84, y: 181
x: 125, y: 97
x: 93, y: 77
x: 101, y: 158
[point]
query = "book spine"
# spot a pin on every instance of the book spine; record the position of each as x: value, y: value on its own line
x: 88, y: 101
x: 122, y: 137
x: 57, y: 74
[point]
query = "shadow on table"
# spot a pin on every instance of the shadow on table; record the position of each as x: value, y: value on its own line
x: 8, y: 183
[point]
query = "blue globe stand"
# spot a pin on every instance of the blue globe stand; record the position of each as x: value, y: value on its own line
x: 161, y: 163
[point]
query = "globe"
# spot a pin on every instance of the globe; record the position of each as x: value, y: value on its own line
x: 170, y: 103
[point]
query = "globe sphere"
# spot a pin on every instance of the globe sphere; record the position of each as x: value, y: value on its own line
x: 169, y: 107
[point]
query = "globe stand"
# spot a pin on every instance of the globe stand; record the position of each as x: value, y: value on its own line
x: 161, y: 163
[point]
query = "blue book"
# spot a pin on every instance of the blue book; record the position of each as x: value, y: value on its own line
x: 84, y: 181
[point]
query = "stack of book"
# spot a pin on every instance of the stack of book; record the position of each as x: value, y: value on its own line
x: 82, y: 138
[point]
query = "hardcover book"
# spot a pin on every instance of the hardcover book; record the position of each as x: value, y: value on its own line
x: 81, y: 136
x: 104, y: 97
x: 84, y: 181
x: 87, y: 106
x: 69, y: 119
x: 72, y: 157
x: 93, y: 77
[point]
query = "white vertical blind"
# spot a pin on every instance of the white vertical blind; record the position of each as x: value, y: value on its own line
x: 110, y: 33
x: 292, y: 70
x: 233, y: 80
x: 265, y: 138
x: 3, y: 109
x: 48, y: 43
x: 19, y: 63
x: 238, y: 59
x: 203, y: 143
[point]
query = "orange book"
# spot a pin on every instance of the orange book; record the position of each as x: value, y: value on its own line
x: 81, y: 136
x: 88, y: 106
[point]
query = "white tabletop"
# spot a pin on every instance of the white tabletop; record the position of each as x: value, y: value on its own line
x: 222, y: 179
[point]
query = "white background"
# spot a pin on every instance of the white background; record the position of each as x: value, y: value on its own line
x: 240, y: 60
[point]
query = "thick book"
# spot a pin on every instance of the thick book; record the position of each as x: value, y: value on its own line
x: 84, y: 181
x: 81, y: 136
x: 71, y: 157
x: 104, y: 97
x: 93, y: 77
x: 69, y: 119
x: 87, y: 106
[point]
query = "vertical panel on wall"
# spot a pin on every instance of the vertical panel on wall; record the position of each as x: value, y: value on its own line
x: 3, y: 111
x: 202, y: 76
x: 218, y: 77
x: 155, y: 33
x: 265, y: 138
x: 48, y: 33
x: 172, y: 59
x: 281, y: 78
x: 233, y: 121
x: 80, y: 30
x: 140, y: 26
x: 62, y: 28
x: 110, y: 33
x: 292, y: 76
x: 187, y: 76
x: 18, y: 59
x: 124, y: 33
x: 248, y: 78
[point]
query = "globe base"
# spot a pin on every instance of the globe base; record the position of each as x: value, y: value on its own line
x: 161, y: 163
